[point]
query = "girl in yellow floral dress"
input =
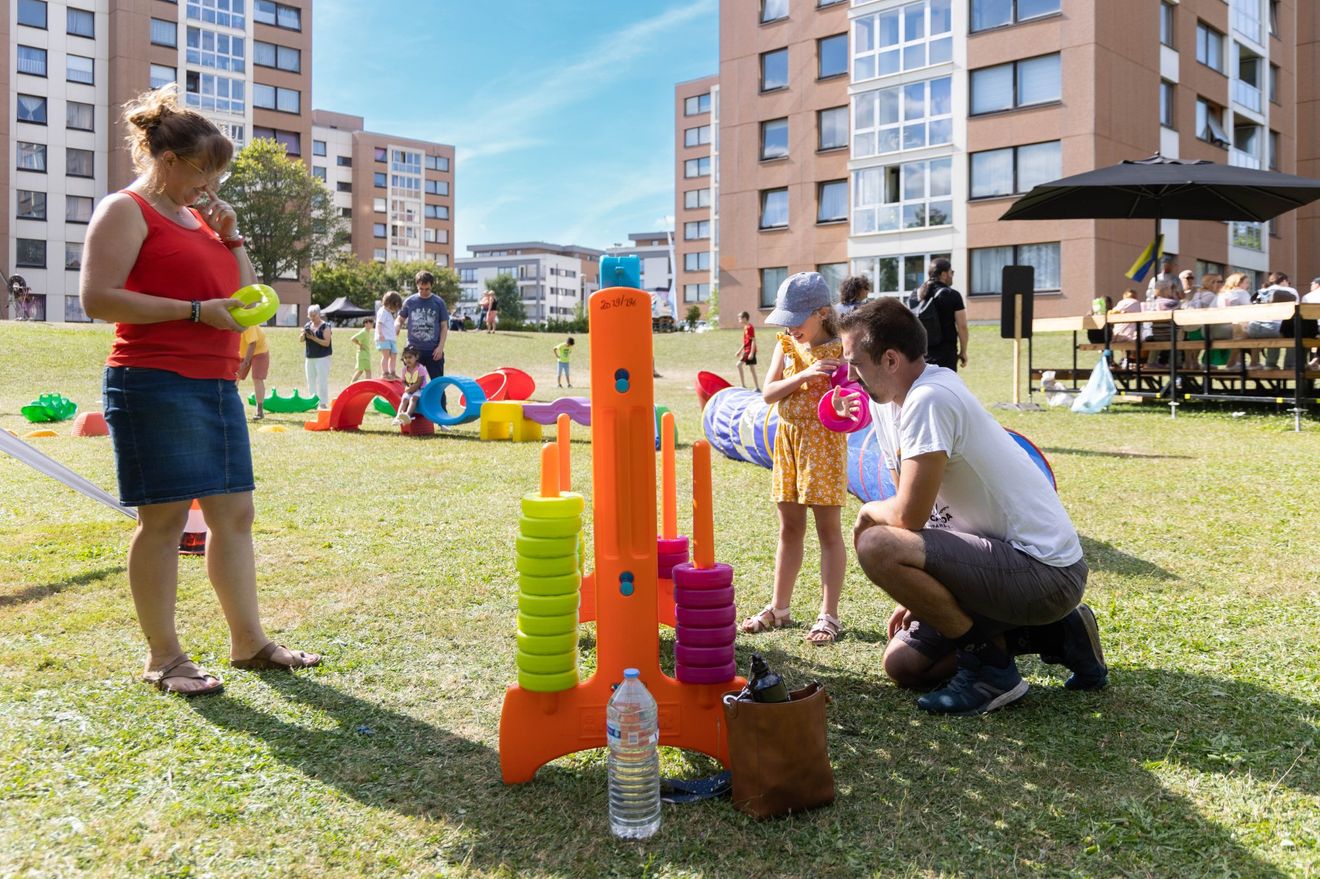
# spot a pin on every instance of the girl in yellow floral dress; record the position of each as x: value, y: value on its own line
x: 810, y: 462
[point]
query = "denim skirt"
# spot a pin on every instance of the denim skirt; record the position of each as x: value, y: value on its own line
x: 175, y: 438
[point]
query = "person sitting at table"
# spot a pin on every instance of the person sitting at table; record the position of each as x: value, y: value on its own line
x: 1167, y: 291
x: 1197, y: 296
x: 1235, y: 292
x: 1125, y: 332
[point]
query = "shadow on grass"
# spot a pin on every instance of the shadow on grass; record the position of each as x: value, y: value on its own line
x: 1062, y: 783
x: 37, y: 593
x: 1102, y: 556
x: 1102, y: 453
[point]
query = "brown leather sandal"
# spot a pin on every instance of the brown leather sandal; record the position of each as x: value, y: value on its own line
x: 769, y: 618
x: 263, y: 659
x: 182, y: 668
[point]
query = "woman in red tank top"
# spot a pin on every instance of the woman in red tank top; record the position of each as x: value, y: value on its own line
x: 164, y: 272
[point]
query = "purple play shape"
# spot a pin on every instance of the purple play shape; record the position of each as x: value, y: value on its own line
x: 704, y: 656
x: 705, y: 616
x: 702, y: 597
x: 577, y: 408
x: 712, y: 636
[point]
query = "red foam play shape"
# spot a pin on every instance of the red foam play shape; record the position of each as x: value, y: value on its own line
x: 518, y: 384
x: 707, y: 384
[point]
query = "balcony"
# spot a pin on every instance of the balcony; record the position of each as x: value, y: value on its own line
x: 1245, y: 235
x: 1246, y: 96
x: 1241, y: 159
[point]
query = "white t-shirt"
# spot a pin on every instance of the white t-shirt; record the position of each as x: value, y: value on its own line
x: 991, y: 487
x: 1233, y: 297
x: 385, y: 324
x: 1311, y: 298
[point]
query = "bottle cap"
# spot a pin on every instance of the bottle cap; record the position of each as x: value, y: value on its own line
x: 629, y: 673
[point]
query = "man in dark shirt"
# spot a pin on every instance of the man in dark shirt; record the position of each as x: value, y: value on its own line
x: 427, y: 319
x: 944, y: 317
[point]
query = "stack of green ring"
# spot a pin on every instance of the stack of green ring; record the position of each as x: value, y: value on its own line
x: 549, y: 563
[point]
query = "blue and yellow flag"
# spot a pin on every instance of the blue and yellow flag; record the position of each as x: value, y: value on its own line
x: 1150, y: 257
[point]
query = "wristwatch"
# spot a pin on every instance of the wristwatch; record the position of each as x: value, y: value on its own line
x: 233, y: 243
x: 196, y: 314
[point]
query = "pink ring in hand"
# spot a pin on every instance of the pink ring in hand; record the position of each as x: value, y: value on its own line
x: 844, y: 423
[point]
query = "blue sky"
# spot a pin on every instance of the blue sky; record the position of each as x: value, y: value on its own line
x: 561, y: 110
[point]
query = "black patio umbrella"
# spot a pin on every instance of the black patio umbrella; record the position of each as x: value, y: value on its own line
x: 1158, y: 188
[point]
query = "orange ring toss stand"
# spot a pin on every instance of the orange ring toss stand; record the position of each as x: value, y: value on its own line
x: 536, y: 728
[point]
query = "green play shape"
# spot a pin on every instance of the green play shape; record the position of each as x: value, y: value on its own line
x: 295, y: 403
x: 50, y: 407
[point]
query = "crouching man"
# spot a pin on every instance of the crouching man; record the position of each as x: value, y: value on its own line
x: 975, y: 546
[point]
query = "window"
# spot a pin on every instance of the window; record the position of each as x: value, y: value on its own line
x: 696, y: 292
x: 346, y: 213
x: 988, y: 265
x: 1166, y: 24
x: 80, y: 23
x: 80, y: 116
x: 273, y: 55
x: 290, y: 140
x: 1209, y: 46
x: 910, y: 195
x: 344, y: 186
x: 437, y: 187
x: 904, y: 38
x: 270, y: 97
x: 210, y: 91
x: 79, y: 163
x: 277, y: 14
x: 77, y: 209
x: 436, y: 211
x: 32, y: 108
x: 773, y: 10
x: 696, y: 198
x: 831, y: 56
x: 226, y: 13
x: 1168, y: 94
x: 437, y: 163
x: 318, y: 148
x: 832, y: 128
x: 73, y: 251
x: 696, y: 231
x: 903, y: 117
x: 774, y: 70
x: 833, y: 273
x: 32, y: 157
x: 1274, y: 17
x: 1210, y: 123
x: 1274, y: 84
x: 1015, y: 169
x: 770, y: 281
x: 207, y: 48
x: 379, y: 178
x: 696, y: 104
x: 318, y: 172
x: 163, y: 76
x: 344, y: 161
x: 378, y: 230
x: 697, y: 167
x: 31, y: 205
x: 997, y: 13
x: 31, y: 61
x: 79, y: 69
x: 378, y: 205
x: 164, y: 33
x: 696, y: 136
x: 774, y: 209
x: 1272, y: 146
x: 31, y: 253
x: 832, y: 201
x: 1019, y: 84
x: 774, y: 139
x: 33, y: 13
x: 697, y: 262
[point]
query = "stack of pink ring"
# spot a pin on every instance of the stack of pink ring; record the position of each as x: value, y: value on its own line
x: 840, y: 385
x: 704, y: 617
x: 670, y: 551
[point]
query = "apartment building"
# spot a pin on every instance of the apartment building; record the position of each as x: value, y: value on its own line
x: 69, y: 68
x: 396, y: 193
x: 553, y: 279
x: 951, y: 109
x: 696, y: 191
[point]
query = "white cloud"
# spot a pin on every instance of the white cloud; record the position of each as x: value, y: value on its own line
x: 665, y: 223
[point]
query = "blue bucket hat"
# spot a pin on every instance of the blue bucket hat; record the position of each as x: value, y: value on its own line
x: 799, y: 296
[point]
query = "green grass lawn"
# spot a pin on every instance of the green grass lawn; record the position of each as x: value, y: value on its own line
x: 1199, y: 760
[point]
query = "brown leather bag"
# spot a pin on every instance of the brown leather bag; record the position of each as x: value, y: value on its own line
x: 778, y: 754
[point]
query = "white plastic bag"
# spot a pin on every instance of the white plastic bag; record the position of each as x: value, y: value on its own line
x: 1056, y: 394
x: 1099, y: 391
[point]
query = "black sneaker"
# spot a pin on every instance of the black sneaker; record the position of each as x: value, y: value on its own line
x: 977, y: 688
x: 1082, y: 653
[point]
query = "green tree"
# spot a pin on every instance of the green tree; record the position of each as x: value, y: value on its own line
x: 345, y: 275
x: 287, y: 216
x: 693, y: 315
x: 713, y: 306
x: 399, y: 276
x: 505, y: 288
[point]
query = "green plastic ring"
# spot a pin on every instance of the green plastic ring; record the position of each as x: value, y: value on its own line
x: 547, y: 626
x: 569, y: 526
x: 259, y: 304
x: 565, y: 564
x: 547, y: 547
x: 547, y: 663
x: 561, y: 585
x: 547, y: 645
x: 548, y: 605
x: 548, y: 683
x: 565, y: 506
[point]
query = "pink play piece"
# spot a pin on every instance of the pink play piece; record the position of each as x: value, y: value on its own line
x: 704, y: 656
x: 703, y: 597
x: 713, y: 636
x: 705, y: 616
x: 696, y: 674
x: 690, y: 577
x: 671, y: 545
x: 90, y: 424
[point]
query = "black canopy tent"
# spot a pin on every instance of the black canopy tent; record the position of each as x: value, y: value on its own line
x: 342, y: 311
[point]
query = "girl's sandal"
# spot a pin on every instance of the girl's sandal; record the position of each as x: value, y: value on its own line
x: 769, y: 618
x: 826, y: 625
x: 182, y: 669
x: 265, y: 659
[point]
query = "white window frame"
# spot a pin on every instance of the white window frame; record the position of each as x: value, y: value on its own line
x: 872, y: 216
x: 881, y: 137
x: 871, y: 60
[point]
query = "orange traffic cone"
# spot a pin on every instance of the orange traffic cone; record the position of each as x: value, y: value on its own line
x: 194, y: 533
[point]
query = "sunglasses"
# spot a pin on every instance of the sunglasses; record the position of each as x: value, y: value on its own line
x: 215, y: 181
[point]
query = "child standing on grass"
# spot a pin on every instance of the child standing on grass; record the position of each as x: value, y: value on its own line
x: 361, y: 339
x: 747, y: 352
x: 387, y: 334
x: 810, y: 462
x: 415, y: 378
x: 562, y: 350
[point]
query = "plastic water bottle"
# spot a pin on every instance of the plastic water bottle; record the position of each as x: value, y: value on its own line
x: 633, y: 732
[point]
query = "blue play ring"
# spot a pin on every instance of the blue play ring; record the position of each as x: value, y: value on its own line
x: 428, y: 402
